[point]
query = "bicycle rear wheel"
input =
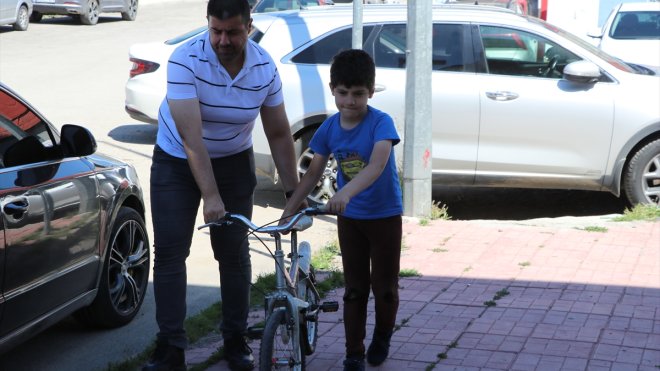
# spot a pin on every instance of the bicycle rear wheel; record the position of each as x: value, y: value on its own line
x: 278, y: 349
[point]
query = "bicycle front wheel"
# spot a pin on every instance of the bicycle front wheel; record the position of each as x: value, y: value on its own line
x: 278, y: 350
x: 308, y: 327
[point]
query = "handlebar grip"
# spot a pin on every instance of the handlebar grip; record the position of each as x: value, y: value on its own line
x: 223, y: 220
x: 318, y: 210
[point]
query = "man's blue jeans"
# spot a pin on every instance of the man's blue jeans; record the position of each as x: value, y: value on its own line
x: 175, y: 200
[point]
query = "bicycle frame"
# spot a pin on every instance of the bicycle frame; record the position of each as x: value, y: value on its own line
x: 286, y: 294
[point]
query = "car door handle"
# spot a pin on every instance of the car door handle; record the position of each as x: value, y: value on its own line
x: 16, y: 208
x: 501, y: 96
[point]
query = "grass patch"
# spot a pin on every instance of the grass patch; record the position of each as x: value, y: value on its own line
x: 324, y: 258
x: 500, y: 294
x: 490, y: 303
x: 524, y: 264
x: 409, y: 273
x: 437, y: 249
x: 439, y: 211
x: 593, y: 228
x: 198, y: 326
x: 639, y: 212
x: 424, y: 222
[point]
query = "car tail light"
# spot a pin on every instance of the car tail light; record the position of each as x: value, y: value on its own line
x: 141, y: 66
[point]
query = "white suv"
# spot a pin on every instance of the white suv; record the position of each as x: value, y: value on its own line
x: 517, y: 102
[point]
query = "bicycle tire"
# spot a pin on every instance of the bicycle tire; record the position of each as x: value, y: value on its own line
x: 308, y: 329
x: 277, y: 346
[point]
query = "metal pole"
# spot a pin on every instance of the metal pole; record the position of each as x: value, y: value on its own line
x: 357, y: 25
x: 417, y: 155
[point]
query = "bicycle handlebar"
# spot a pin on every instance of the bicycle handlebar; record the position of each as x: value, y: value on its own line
x: 297, y: 222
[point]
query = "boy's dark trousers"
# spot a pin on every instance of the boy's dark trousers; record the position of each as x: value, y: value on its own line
x: 371, y: 252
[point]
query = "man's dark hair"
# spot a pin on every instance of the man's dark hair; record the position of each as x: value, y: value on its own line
x: 224, y: 9
x: 353, y: 67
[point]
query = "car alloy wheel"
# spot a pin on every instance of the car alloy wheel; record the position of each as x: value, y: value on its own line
x: 90, y: 15
x: 131, y: 13
x: 22, y: 19
x: 125, y: 275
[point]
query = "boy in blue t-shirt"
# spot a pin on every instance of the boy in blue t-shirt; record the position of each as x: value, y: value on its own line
x: 368, y: 203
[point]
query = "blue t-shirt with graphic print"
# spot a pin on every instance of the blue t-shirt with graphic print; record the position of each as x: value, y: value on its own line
x: 352, y: 151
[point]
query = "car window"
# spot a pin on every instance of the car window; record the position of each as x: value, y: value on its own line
x: 636, y: 25
x: 323, y: 49
x: 449, y: 51
x: 519, y: 53
x: 265, y: 6
x: 390, y: 46
x: 17, y: 121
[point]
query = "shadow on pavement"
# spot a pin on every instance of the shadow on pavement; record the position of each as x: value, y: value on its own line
x: 135, y: 133
x: 472, y: 203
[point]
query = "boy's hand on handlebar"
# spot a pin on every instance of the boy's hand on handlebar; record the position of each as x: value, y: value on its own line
x: 337, y: 204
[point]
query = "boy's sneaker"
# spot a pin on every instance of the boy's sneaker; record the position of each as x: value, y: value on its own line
x: 238, y: 354
x: 354, y: 363
x: 166, y: 358
x: 379, y: 348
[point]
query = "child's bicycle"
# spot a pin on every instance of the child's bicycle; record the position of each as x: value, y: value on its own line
x: 292, y: 309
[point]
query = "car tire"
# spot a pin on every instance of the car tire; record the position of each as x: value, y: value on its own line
x: 641, y: 181
x: 131, y: 13
x: 22, y: 19
x: 327, y: 185
x: 36, y: 17
x: 125, y: 274
x: 90, y: 16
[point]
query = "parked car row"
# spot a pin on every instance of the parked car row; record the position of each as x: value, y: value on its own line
x: 517, y: 102
x: 19, y: 13
x: 73, y: 237
x: 632, y: 33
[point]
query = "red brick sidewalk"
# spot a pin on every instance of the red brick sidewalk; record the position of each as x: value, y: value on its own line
x: 494, y: 296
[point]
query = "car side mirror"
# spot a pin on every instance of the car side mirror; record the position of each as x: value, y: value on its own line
x: 76, y: 141
x: 596, y: 33
x: 582, y: 72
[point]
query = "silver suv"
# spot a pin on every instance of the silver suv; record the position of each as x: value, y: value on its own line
x: 517, y: 102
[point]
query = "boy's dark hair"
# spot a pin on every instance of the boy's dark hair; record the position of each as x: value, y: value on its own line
x: 353, y: 67
x: 223, y: 9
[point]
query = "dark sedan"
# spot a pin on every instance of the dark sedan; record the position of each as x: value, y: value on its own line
x: 73, y: 237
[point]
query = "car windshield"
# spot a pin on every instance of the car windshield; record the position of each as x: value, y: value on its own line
x: 640, y: 25
x: 616, y: 62
x: 265, y: 6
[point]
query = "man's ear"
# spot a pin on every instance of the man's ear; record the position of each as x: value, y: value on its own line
x: 332, y: 89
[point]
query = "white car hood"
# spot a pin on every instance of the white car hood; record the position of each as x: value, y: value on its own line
x: 644, y: 52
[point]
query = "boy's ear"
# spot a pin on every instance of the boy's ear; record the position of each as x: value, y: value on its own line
x: 332, y: 90
x: 371, y: 92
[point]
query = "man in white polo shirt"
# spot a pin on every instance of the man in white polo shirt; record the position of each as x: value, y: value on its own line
x: 217, y: 84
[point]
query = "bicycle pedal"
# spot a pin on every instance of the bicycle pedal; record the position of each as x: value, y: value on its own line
x: 255, y: 333
x: 329, y: 306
